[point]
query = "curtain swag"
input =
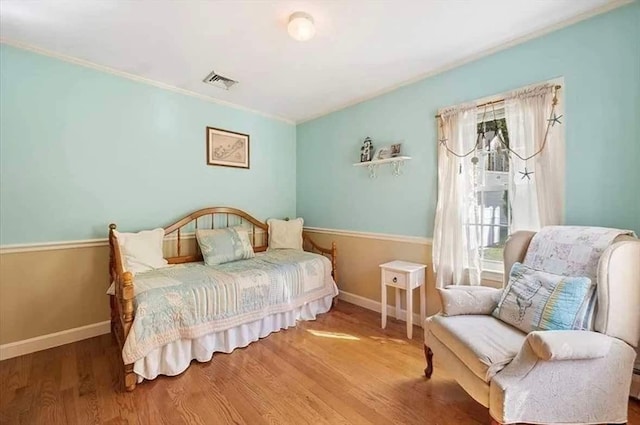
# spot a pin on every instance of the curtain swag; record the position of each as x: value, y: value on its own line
x: 540, y: 90
x: 530, y: 92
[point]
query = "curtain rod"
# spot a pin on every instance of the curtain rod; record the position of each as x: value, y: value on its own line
x: 493, y: 102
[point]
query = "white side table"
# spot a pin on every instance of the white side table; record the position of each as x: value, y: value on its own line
x: 407, y: 276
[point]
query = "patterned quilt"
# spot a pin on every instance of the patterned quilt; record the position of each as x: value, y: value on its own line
x: 570, y: 250
x: 192, y: 300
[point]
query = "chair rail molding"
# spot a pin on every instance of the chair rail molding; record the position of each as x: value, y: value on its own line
x: 51, y: 246
x: 371, y: 235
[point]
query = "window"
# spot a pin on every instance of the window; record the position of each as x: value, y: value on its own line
x: 492, y: 216
x: 488, y: 182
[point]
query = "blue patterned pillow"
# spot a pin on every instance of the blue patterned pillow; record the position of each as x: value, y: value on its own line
x: 534, y: 300
x: 220, y: 246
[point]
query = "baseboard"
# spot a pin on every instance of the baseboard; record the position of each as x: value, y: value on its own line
x: 39, y: 343
x: 376, y: 306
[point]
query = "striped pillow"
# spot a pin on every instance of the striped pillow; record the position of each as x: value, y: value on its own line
x: 534, y: 300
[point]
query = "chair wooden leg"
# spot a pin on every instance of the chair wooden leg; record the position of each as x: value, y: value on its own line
x: 428, y: 354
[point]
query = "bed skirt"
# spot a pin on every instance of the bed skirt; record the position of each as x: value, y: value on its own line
x: 174, y: 358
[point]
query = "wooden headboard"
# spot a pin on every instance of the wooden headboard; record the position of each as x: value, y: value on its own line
x: 212, y: 218
x: 180, y: 245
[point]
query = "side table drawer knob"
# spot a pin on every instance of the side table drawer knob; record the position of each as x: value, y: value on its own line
x: 395, y: 280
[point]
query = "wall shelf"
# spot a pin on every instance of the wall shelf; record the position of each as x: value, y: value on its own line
x: 396, y: 162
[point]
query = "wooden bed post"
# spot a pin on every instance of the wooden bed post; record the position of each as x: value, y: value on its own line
x: 113, y: 275
x: 127, y: 300
x: 127, y: 315
x: 122, y: 310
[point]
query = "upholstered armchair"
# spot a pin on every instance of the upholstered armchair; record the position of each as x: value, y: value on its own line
x: 552, y: 376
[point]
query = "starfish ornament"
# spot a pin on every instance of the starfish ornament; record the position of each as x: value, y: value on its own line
x: 526, y: 173
x: 555, y: 119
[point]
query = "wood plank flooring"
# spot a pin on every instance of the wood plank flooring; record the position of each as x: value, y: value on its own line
x: 340, y: 369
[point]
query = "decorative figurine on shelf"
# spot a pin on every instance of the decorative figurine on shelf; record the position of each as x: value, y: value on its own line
x: 366, y: 150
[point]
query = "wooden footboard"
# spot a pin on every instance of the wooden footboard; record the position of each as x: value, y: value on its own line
x: 122, y: 302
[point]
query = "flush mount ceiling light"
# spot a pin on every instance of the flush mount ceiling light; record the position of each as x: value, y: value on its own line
x: 301, y: 26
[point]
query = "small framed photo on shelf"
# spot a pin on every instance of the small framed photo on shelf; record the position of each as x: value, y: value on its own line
x: 227, y: 148
x: 395, y: 149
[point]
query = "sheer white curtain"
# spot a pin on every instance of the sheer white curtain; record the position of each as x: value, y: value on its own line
x: 455, y: 244
x: 537, y: 199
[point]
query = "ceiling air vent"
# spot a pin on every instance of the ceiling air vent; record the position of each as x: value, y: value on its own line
x: 219, y: 81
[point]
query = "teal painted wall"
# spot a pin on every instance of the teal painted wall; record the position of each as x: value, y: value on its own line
x: 600, y: 62
x: 80, y: 149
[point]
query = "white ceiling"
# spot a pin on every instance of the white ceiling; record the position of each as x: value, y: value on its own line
x: 361, y: 47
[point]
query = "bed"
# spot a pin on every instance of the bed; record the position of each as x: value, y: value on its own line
x: 164, y: 318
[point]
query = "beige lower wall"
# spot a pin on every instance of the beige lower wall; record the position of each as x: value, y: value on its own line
x: 359, y: 258
x: 42, y: 292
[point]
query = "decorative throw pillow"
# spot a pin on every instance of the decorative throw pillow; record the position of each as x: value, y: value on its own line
x: 534, y: 300
x: 220, y: 246
x: 141, y: 251
x: 459, y: 300
x: 285, y: 234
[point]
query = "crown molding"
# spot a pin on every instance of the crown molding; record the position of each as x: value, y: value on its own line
x: 457, y: 63
x: 136, y: 78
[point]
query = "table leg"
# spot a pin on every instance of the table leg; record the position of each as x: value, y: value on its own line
x: 423, y: 304
x: 397, y: 303
x: 409, y: 312
x: 384, y: 304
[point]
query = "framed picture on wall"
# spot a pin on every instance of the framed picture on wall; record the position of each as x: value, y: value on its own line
x: 227, y: 148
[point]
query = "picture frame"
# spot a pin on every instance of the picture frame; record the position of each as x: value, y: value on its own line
x: 396, y: 149
x: 227, y: 148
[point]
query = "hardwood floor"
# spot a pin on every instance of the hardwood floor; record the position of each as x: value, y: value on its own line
x: 340, y: 369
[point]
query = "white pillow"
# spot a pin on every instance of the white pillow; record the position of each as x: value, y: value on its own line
x: 285, y: 234
x: 141, y: 251
x: 459, y: 300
